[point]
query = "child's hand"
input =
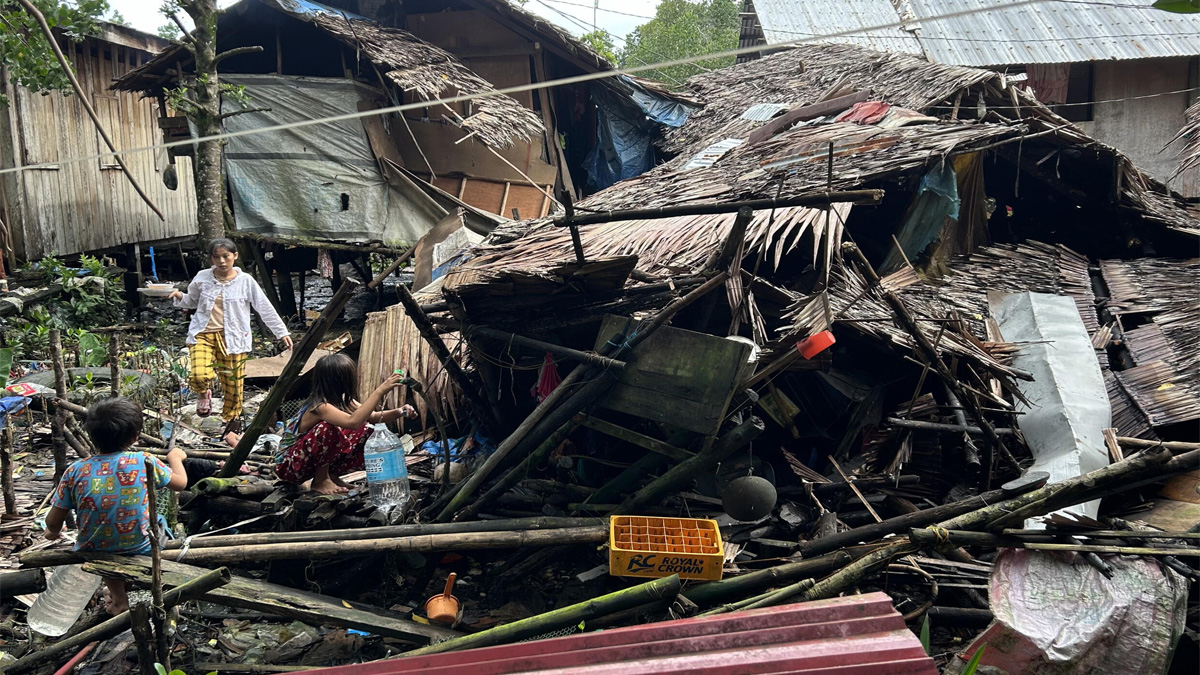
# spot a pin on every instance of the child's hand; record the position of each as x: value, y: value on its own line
x: 287, y: 342
x: 407, y: 411
x: 176, y: 454
x: 175, y: 295
x: 391, y: 381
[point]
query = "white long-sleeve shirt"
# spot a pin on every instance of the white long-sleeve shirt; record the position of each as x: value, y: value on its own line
x: 238, y: 297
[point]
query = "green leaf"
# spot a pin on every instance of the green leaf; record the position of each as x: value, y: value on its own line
x: 925, y: 634
x: 6, y: 360
x: 1178, y: 6
x: 92, y: 352
x: 974, y: 662
x: 160, y: 669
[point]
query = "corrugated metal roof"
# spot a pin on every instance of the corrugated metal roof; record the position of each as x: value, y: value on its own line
x: 1056, y: 31
x: 1052, y: 31
x: 791, y: 20
x: 856, y: 634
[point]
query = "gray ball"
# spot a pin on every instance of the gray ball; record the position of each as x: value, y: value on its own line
x: 749, y: 498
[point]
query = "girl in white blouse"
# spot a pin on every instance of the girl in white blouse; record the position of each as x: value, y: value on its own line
x: 219, y: 337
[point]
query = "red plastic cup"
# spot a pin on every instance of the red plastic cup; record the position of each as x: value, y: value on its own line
x: 815, y: 344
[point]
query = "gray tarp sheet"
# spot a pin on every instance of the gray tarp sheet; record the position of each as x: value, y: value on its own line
x: 315, y: 181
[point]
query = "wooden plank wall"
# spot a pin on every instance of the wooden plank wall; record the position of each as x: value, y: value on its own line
x: 85, y: 206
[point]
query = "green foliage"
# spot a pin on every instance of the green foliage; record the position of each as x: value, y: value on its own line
x: 85, y: 302
x: 681, y: 29
x: 169, y: 31
x: 925, y: 633
x: 116, y: 17
x: 162, y: 670
x: 1178, y: 6
x: 973, y: 664
x: 602, y: 42
x: 24, y: 49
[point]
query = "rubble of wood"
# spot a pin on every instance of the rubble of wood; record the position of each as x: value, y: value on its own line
x: 719, y: 343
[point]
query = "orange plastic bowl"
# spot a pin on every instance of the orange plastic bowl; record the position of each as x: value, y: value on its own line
x: 815, y: 344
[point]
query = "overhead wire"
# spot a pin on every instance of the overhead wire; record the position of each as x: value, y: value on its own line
x: 458, y: 98
x: 610, y: 11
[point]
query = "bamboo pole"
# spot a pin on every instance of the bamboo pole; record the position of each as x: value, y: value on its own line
x: 139, y: 616
x: 58, y: 437
x: 6, y: 470
x: 86, y: 101
x: 237, y: 487
x: 114, y: 363
x: 545, y: 424
x: 515, y: 474
x: 158, y: 612
x: 390, y: 531
x: 765, y: 599
x: 651, y: 591
x: 937, y: 537
x: 590, y: 358
x: 281, y: 388
x: 77, y: 409
x: 706, y: 460
x: 811, y: 199
x: 717, y: 591
x: 120, y: 623
x: 469, y: 541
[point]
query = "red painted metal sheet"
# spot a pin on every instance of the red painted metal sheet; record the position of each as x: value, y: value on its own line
x: 857, y: 634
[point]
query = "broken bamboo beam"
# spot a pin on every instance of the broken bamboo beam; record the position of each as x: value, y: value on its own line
x: 282, y: 387
x: 22, y: 582
x: 58, y: 427
x: 947, y: 428
x: 515, y: 474
x: 232, y: 486
x: 382, y: 276
x: 733, y: 440
x: 470, y: 386
x: 716, y: 592
x: 939, y: 537
x: 540, y: 423
x: 425, y: 543
x: 200, y: 583
x: 930, y: 356
x: 590, y: 358
x: 389, y: 531
x: 273, y: 599
x: 651, y: 591
x: 811, y: 199
x: 77, y: 409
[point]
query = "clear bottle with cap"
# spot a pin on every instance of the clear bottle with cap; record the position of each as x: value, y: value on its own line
x: 67, y: 594
x: 387, y: 473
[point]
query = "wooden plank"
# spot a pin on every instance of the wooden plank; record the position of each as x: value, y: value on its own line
x: 619, y: 432
x: 807, y: 112
x: 273, y: 599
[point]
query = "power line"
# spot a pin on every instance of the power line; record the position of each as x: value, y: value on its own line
x: 550, y: 84
x: 860, y: 33
x: 610, y: 11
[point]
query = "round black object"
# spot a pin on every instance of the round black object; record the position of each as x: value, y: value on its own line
x: 134, y: 383
x: 749, y: 498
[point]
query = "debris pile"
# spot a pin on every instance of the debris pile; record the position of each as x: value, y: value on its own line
x: 865, y: 349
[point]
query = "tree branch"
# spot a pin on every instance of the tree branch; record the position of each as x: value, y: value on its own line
x: 225, y: 116
x: 187, y: 35
x: 236, y: 52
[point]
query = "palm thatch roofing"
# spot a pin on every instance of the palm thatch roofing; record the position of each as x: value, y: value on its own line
x: 1189, y: 154
x: 415, y: 66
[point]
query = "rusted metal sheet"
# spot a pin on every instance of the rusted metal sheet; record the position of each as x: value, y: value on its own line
x: 857, y: 634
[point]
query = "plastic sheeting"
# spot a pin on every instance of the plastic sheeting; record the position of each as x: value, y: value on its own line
x: 937, y: 200
x: 1057, y: 615
x: 1068, y: 403
x: 318, y: 181
x: 625, y: 131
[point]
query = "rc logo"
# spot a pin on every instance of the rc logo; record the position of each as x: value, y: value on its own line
x: 641, y: 563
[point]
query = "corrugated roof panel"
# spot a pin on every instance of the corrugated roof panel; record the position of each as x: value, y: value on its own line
x: 993, y: 34
x: 1055, y: 31
x: 791, y: 20
x: 856, y: 634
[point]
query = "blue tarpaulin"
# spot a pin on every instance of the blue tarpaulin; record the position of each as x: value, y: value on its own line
x: 937, y: 200
x: 625, y: 128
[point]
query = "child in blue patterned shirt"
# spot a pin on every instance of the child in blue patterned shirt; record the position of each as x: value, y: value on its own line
x: 108, y: 492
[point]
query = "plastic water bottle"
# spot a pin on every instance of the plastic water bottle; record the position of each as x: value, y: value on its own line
x: 66, y: 596
x: 387, y: 474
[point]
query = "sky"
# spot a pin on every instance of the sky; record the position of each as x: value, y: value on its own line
x: 612, y: 16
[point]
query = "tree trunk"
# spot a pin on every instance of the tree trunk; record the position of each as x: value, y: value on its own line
x: 206, y: 92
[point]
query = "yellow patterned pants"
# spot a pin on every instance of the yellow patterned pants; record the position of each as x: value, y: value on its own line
x: 209, y: 362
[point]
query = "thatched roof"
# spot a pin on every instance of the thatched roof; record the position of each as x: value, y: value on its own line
x: 422, y: 69
x: 1189, y: 154
x: 811, y: 73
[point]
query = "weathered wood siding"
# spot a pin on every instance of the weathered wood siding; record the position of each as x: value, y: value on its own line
x: 76, y: 207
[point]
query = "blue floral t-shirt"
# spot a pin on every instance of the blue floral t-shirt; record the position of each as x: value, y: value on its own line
x: 109, y: 496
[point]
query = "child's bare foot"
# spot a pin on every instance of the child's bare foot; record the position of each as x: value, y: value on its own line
x: 337, y: 480
x: 116, y: 599
x: 326, y: 487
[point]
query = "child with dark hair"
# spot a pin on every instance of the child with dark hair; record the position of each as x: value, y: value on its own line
x: 108, y: 491
x: 219, y: 334
x: 325, y: 440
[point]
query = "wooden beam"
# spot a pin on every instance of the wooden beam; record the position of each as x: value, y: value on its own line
x: 640, y: 440
x: 804, y: 113
x: 273, y: 599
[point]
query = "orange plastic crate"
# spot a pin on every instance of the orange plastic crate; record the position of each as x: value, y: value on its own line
x: 641, y: 546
